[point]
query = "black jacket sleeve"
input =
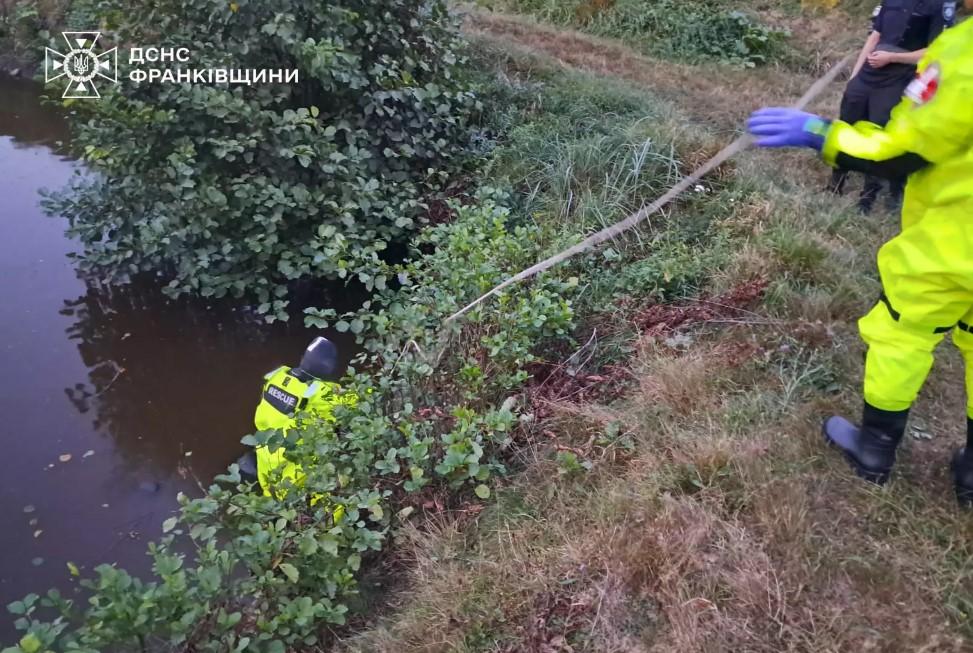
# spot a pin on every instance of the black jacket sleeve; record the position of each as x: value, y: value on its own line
x: 897, y: 168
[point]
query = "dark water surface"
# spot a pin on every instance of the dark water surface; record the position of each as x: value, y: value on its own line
x: 159, y: 391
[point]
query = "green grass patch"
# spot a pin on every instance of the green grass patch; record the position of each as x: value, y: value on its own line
x: 580, y: 153
x: 690, y: 30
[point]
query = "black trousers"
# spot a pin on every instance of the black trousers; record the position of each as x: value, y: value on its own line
x: 862, y: 101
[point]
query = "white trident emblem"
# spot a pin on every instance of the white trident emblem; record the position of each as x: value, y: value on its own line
x: 81, y: 65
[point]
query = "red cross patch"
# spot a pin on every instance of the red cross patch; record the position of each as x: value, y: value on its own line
x: 923, y: 88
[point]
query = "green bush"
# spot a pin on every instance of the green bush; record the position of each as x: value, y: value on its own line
x: 266, y: 574
x: 26, y: 26
x: 466, y: 258
x: 83, y: 15
x: 21, y: 24
x: 269, y: 574
x: 241, y: 190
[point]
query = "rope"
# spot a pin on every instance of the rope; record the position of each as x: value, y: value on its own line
x: 727, y: 153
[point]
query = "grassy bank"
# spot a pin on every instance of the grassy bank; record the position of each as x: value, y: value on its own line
x: 683, y: 31
x: 694, y: 507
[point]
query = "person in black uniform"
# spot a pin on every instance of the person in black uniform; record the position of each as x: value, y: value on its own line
x: 901, y: 32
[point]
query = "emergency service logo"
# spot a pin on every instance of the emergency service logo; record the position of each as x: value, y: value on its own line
x: 949, y: 12
x: 82, y: 66
x: 924, y: 87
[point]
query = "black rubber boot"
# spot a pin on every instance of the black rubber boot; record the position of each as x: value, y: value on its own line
x: 248, y: 466
x: 866, y: 203
x: 869, y: 194
x: 893, y: 201
x: 963, y: 469
x: 836, y: 185
x: 871, y: 448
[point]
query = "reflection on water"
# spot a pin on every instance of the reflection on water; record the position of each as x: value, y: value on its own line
x: 114, y: 399
x: 25, y: 120
x: 165, y: 378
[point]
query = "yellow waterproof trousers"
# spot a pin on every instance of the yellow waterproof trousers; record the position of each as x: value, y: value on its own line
x: 927, y: 279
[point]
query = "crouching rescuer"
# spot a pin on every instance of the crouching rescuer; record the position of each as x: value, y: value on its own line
x: 927, y: 269
x: 308, y: 391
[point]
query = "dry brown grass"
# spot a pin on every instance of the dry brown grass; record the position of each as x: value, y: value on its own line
x: 678, y: 382
x: 704, y: 541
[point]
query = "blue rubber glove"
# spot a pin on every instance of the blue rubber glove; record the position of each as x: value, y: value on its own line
x: 782, y: 127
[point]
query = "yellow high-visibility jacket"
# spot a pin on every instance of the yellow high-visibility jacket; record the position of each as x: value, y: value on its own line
x: 933, y: 124
x: 926, y: 270
x: 284, y: 398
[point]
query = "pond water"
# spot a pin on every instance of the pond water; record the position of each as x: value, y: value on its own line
x: 147, y: 396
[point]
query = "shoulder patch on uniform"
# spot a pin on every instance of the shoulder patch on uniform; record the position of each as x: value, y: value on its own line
x: 924, y: 87
x: 949, y: 12
x: 283, y: 401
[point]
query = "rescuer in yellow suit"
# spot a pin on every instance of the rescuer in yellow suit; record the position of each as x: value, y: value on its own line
x: 288, y: 393
x: 927, y: 269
